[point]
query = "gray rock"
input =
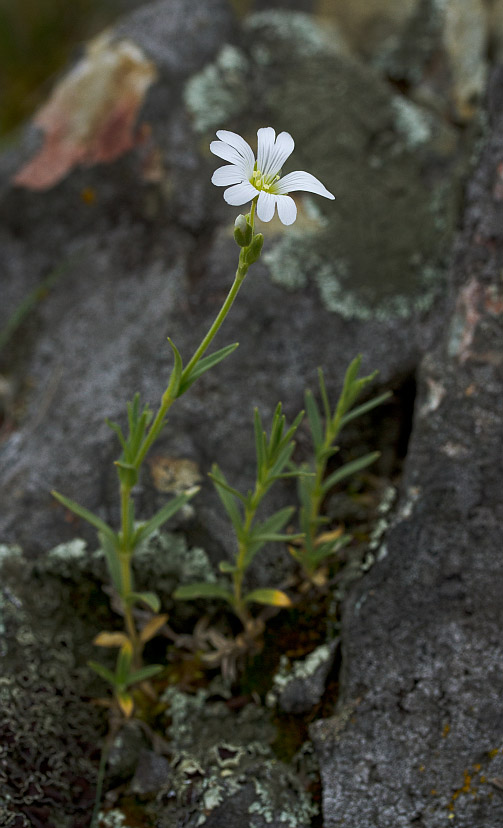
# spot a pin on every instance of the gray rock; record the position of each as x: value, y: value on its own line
x: 152, y: 772
x: 418, y: 736
x: 151, y: 256
x: 298, y: 687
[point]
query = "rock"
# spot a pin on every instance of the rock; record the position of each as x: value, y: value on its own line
x: 223, y: 767
x: 298, y: 687
x: 117, y: 255
x: 135, y: 250
x: 152, y: 772
x: 418, y: 735
x: 49, y: 731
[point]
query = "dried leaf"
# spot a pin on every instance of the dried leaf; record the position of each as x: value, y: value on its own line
x: 111, y: 639
x: 152, y: 627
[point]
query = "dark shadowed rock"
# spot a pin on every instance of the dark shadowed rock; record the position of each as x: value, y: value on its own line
x: 418, y: 737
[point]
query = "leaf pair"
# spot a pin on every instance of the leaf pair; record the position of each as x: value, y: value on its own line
x: 125, y: 676
x: 111, y: 542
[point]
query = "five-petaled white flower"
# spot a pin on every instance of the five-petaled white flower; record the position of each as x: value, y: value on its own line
x: 246, y: 178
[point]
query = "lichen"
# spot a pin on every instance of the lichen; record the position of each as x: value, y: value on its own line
x: 48, y: 733
x: 218, y: 754
x: 219, y: 92
x: 112, y: 819
x: 412, y: 122
x: 302, y: 34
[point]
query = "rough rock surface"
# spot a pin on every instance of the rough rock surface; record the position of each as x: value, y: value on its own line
x: 418, y: 739
x: 117, y: 256
x: 132, y: 251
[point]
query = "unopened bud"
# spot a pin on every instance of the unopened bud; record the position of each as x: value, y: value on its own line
x: 243, y: 232
x: 255, y: 249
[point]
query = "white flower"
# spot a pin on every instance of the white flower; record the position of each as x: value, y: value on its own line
x: 246, y: 178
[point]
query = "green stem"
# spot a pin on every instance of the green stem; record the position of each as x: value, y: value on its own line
x: 168, y: 400
x: 250, y: 512
x: 127, y: 588
x: 224, y: 310
x: 125, y: 495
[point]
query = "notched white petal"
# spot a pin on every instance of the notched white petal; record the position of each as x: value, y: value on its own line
x: 266, y: 137
x: 265, y: 206
x: 300, y: 180
x: 282, y: 150
x: 287, y: 209
x: 238, y: 143
x: 230, y: 174
x: 240, y: 194
x: 226, y: 152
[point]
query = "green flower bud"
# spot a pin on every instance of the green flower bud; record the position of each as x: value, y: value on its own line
x: 243, y: 232
x: 255, y: 249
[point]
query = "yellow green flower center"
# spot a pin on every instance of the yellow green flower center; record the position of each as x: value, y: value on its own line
x: 262, y: 182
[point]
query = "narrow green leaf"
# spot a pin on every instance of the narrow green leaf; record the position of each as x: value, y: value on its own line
x: 349, y: 469
x: 227, y: 568
x: 144, y: 674
x: 136, y: 437
x: 282, y: 459
x: 132, y: 413
x: 222, y: 483
x: 305, y: 488
x: 227, y: 495
x: 149, y: 598
x: 260, y: 442
x: 103, y: 672
x: 124, y: 659
x: 164, y: 514
x: 277, y: 428
x: 189, y: 592
x: 367, y: 406
x: 270, y: 597
x: 94, y: 520
x: 176, y: 374
x: 348, y: 392
x: 293, y: 428
x: 314, y: 419
x: 276, y: 521
x: 324, y: 397
x: 204, y: 365
x: 272, y: 537
x: 118, y: 430
x: 112, y: 558
x: 324, y: 550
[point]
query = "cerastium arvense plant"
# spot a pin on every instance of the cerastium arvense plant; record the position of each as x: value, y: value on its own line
x: 314, y: 484
x: 246, y: 180
x: 273, y: 457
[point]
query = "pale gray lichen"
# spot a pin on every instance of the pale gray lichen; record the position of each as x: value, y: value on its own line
x: 412, y: 122
x: 112, y: 819
x: 299, y: 685
x: 300, y: 31
x: 220, y: 755
x: 42, y: 684
x: 166, y: 555
x: 219, y: 92
x: 292, y: 815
